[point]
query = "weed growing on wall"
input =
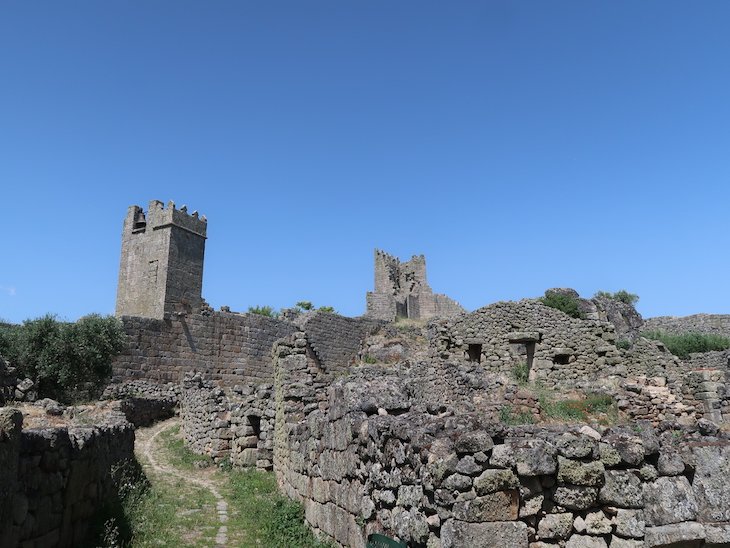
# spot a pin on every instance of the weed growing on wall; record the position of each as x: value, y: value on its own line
x: 621, y: 296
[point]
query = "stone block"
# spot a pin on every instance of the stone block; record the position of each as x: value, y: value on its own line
x: 459, y: 534
x: 500, y: 506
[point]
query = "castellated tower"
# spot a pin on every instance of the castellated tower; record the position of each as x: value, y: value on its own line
x: 401, y: 291
x: 161, y: 269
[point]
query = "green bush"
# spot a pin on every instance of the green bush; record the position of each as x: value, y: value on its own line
x: 621, y: 296
x: 327, y: 309
x: 623, y: 344
x: 305, y: 305
x: 67, y: 361
x: 521, y: 373
x: 564, y: 303
x: 684, y: 345
x: 267, y: 311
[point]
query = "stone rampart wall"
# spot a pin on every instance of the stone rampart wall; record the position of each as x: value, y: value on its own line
x: 713, y: 324
x: 54, y: 480
x: 227, y: 347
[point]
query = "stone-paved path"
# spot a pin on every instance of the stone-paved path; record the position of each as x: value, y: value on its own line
x: 146, y: 445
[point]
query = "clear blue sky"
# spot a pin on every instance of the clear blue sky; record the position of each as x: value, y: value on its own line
x: 518, y: 145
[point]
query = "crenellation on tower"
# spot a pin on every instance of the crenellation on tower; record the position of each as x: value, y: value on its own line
x: 161, y: 267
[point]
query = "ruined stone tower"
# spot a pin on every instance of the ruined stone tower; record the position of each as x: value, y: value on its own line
x: 401, y: 291
x: 161, y: 269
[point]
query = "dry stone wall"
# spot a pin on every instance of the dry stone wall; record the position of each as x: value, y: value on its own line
x: 54, y: 480
x: 361, y: 463
x: 711, y: 324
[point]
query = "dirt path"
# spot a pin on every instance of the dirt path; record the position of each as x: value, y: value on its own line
x: 148, y: 447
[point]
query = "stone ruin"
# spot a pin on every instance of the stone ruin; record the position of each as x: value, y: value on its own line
x: 401, y: 291
x: 380, y: 426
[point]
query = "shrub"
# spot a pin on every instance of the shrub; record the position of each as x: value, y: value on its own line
x: 521, y: 373
x: 621, y: 296
x: 562, y: 302
x: 623, y: 344
x: 684, y: 345
x: 305, y: 305
x: 367, y: 358
x: 68, y: 361
x: 267, y: 311
x: 327, y: 309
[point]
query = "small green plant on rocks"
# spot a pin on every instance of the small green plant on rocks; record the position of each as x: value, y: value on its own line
x: 621, y: 296
x: 509, y: 417
x: 562, y: 302
x: 521, y: 373
x: 684, y: 345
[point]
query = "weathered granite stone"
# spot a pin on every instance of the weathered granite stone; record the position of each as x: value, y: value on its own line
x: 670, y: 463
x: 491, y: 481
x: 585, y: 541
x: 575, y: 446
x: 459, y: 534
x: 630, y: 523
x: 578, y: 473
x: 597, y: 523
x: 555, y: 526
x: 532, y: 457
x: 690, y: 533
x: 622, y: 489
x: 669, y: 500
x: 576, y: 498
x: 499, y: 506
x: 711, y: 485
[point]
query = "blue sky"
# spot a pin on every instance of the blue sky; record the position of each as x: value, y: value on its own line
x: 518, y: 145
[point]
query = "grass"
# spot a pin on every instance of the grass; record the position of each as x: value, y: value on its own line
x: 521, y: 373
x: 367, y: 358
x: 684, y: 345
x: 579, y: 409
x: 508, y: 416
x: 168, y: 511
x: 268, y: 518
x: 180, y: 456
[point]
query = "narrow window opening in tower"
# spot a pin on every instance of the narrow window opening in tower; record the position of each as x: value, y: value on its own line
x: 401, y: 309
x: 474, y: 352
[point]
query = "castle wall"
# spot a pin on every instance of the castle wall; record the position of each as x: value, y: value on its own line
x: 227, y: 347
x: 54, y: 480
x: 711, y: 324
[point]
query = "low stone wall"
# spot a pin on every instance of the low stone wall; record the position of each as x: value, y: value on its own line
x: 54, y: 480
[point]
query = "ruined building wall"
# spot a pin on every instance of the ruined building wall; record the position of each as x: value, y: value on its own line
x: 161, y: 267
x: 335, y: 339
x: 711, y: 324
x: 227, y: 347
x: 54, y: 480
x: 401, y: 291
x: 363, y: 460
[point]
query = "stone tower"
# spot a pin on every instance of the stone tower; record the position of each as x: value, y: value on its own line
x: 161, y: 269
x: 401, y: 291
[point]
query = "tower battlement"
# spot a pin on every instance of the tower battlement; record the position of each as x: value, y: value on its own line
x: 161, y: 268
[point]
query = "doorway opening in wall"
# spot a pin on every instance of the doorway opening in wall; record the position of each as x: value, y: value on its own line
x: 255, y: 423
x: 474, y: 352
x: 401, y: 309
